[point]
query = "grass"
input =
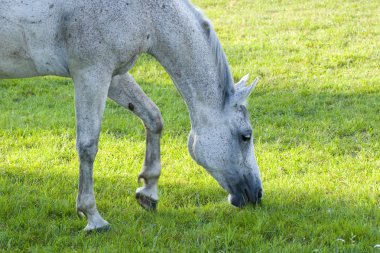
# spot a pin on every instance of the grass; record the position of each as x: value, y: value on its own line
x: 316, y: 118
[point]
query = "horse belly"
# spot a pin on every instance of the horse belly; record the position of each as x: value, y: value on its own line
x: 15, y: 60
x: 28, y: 45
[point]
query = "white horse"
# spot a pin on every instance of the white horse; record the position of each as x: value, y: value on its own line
x: 96, y: 43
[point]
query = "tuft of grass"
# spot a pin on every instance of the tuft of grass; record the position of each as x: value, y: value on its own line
x: 316, y: 118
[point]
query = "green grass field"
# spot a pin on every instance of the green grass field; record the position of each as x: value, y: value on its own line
x: 316, y: 119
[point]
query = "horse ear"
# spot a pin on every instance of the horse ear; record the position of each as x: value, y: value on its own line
x: 241, y: 84
x: 242, y: 91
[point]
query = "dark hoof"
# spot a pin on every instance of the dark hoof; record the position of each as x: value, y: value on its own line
x: 147, y: 203
x: 103, y: 229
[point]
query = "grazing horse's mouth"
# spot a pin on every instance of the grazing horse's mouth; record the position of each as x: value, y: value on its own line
x: 242, y: 200
x: 244, y: 193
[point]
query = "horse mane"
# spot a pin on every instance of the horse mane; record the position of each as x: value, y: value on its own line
x: 217, y: 50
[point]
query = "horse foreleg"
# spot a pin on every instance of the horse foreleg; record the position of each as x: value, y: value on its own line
x: 125, y: 91
x: 91, y: 87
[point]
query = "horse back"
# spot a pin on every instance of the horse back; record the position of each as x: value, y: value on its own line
x: 53, y: 37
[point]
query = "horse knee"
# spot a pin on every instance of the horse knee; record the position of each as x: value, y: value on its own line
x: 87, y: 150
x: 155, y: 124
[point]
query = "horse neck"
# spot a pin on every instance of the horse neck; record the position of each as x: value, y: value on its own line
x: 185, y: 50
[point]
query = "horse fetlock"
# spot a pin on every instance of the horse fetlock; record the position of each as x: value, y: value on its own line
x: 81, y: 214
x: 150, y: 176
x: 95, y: 221
x: 85, y: 204
x: 85, y: 210
x: 148, y: 182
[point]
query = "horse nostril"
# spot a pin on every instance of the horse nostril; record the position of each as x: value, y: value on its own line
x: 260, y: 194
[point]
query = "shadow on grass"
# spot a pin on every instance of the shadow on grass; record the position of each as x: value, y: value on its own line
x: 46, y: 196
x: 37, y: 210
x: 334, y: 113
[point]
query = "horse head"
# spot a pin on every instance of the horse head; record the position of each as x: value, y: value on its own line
x: 223, y: 145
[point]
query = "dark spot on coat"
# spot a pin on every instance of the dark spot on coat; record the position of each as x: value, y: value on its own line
x: 51, y: 6
x: 163, y: 6
x: 131, y: 107
x: 148, y: 36
x: 15, y: 54
x: 36, y: 22
x: 66, y: 17
x: 207, y: 27
x: 178, y: 73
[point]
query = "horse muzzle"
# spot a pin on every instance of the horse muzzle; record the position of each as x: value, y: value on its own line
x: 245, y: 192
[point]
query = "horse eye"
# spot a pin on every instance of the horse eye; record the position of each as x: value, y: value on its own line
x: 246, y: 137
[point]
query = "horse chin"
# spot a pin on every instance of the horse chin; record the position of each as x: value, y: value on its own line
x: 243, y: 199
x: 237, y: 200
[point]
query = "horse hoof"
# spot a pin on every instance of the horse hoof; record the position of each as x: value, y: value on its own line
x: 146, y: 202
x: 90, y: 229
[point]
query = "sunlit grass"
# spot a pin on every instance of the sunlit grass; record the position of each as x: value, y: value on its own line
x: 316, y: 118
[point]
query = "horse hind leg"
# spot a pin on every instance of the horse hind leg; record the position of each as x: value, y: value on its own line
x: 91, y: 89
x: 126, y: 92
